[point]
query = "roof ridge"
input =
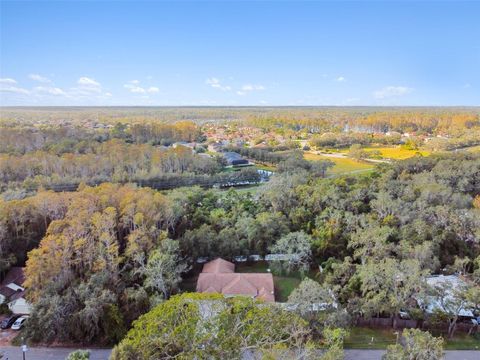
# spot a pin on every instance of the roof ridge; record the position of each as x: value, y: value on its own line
x: 239, y: 278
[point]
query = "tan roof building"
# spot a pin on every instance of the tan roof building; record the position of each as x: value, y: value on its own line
x: 219, y: 276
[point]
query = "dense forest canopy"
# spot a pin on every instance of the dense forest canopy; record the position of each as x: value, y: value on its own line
x: 108, y: 246
x: 314, y: 118
x: 419, y: 215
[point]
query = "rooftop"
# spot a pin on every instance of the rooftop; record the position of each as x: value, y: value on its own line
x: 218, y: 276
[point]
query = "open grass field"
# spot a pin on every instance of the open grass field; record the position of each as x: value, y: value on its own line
x: 474, y: 148
x: 380, y: 338
x: 342, y: 165
x: 397, y: 152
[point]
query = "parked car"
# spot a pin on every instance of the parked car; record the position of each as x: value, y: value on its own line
x: 18, y: 324
x: 6, y: 323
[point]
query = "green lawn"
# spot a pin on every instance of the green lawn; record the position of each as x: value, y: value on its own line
x: 370, y: 338
x: 463, y: 341
x: 342, y: 165
x: 380, y: 338
x: 284, y: 285
x: 397, y: 152
x: 265, y: 167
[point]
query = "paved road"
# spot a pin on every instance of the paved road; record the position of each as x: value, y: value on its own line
x: 14, y: 353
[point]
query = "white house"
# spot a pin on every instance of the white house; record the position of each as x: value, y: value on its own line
x: 452, y: 284
x: 12, y: 291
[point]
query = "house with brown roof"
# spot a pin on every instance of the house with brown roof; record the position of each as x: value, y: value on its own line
x: 219, y: 276
x: 12, y: 291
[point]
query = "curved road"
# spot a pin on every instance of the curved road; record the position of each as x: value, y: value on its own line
x: 14, y: 353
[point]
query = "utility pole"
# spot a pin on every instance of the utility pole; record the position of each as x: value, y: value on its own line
x: 24, y: 347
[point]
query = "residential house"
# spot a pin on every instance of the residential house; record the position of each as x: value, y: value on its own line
x: 453, y: 284
x: 235, y: 159
x: 12, y: 291
x: 219, y: 276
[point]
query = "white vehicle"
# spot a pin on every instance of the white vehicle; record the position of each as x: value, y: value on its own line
x: 18, y: 324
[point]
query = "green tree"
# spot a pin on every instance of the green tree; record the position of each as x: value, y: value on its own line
x: 389, y: 285
x: 208, y: 326
x: 317, y: 304
x: 164, y: 268
x: 356, y: 152
x: 451, y: 299
x: 297, y: 246
x: 333, y: 338
x: 416, y: 344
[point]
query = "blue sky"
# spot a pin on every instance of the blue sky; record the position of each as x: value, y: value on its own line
x: 239, y: 53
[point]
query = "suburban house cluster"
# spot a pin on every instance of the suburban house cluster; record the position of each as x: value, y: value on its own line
x: 219, y: 276
x: 13, y: 292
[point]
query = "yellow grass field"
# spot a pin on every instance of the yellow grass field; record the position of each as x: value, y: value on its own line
x: 342, y: 165
x: 474, y: 148
x: 397, y: 152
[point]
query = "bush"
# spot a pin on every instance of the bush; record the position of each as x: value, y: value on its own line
x: 79, y: 355
x: 416, y: 344
x: 4, y: 309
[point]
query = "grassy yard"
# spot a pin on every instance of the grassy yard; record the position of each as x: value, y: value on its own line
x: 265, y: 167
x: 397, y: 152
x: 462, y: 341
x: 342, y: 165
x: 370, y: 338
x: 380, y: 338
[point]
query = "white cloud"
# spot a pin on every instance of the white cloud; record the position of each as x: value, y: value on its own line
x: 14, y: 89
x: 86, y: 81
x: 153, y: 89
x: 108, y: 94
x: 241, y: 93
x: 86, y: 87
x: 50, y: 90
x: 134, y: 87
x: 341, y: 79
x: 215, y: 83
x: 39, y: 78
x: 391, y: 91
x: 250, y: 87
x: 8, y: 81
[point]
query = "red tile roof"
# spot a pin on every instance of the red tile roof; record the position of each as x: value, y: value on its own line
x: 219, y: 266
x: 214, y: 279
